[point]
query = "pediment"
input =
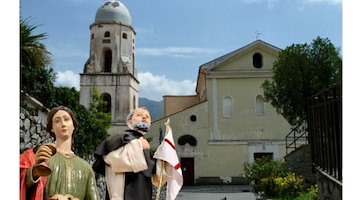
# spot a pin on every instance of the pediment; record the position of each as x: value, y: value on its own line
x: 242, y: 58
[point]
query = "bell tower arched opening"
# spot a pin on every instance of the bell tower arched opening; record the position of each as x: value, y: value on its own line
x: 107, y: 60
x: 107, y: 98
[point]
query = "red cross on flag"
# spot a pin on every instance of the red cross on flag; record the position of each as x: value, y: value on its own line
x: 166, y: 152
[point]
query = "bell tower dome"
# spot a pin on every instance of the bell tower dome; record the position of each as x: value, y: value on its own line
x: 110, y: 67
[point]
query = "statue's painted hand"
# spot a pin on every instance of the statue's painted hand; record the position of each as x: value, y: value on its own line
x: 145, y: 143
x: 42, y: 155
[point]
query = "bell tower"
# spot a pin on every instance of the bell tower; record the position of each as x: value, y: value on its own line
x: 110, y: 67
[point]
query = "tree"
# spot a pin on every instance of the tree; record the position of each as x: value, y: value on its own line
x: 33, y: 52
x: 98, y: 107
x: 37, y: 76
x: 66, y: 96
x: 300, y: 71
x: 37, y: 80
x: 96, y: 124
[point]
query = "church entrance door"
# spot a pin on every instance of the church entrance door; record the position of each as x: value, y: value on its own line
x: 187, y: 167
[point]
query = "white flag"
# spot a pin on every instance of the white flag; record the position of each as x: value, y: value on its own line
x: 166, y: 151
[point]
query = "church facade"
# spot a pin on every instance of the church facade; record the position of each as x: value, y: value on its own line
x: 227, y: 122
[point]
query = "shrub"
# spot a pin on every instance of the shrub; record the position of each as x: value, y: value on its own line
x: 263, y: 168
x: 309, y: 194
x: 273, y: 179
x: 287, y: 186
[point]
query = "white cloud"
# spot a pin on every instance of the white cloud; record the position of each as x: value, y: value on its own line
x: 68, y: 79
x: 175, y: 51
x: 154, y: 86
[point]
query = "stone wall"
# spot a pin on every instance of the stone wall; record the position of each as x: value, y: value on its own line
x: 299, y: 162
x: 329, y: 188
x: 32, y: 130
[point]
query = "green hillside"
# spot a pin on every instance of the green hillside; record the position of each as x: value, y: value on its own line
x: 155, y: 107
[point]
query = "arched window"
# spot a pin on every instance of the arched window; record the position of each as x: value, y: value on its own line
x: 257, y: 60
x: 134, y: 102
x: 259, y: 107
x: 189, y: 139
x: 124, y: 35
x: 107, y: 34
x: 107, y: 60
x: 107, y: 98
x: 227, y: 107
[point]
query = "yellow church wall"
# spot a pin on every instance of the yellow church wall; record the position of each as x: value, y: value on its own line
x: 222, y: 161
x: 240, y: 81
x: 209, y: 160
x: 245, y: 124
x: 244, y: 62
x: 182, y: 125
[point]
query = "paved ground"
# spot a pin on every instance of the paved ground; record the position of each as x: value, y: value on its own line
x: 216, y: 192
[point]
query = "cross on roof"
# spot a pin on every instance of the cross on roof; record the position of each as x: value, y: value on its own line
x: 257, y: 34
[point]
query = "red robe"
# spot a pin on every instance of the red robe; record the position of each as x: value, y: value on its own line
x: 27, y: 159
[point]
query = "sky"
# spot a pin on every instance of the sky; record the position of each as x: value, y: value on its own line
x: 175, y: 37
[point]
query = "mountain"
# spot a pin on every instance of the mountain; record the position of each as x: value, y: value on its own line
x: 155, y: 107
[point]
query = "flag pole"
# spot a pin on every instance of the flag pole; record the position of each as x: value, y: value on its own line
x: 160, y: 181
x: 167, y: 124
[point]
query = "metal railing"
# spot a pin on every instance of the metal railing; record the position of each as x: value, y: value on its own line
x: 296, y: 137
x: 325, y: 130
